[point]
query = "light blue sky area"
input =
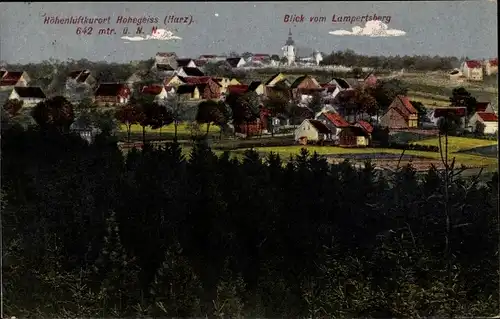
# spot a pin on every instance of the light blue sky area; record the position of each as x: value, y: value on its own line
x: 456, y: 28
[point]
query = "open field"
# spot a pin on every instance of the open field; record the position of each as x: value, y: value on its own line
x: 457, y: 144
x: 465, y: 159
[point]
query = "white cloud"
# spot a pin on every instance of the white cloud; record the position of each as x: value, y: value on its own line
x: 216, y: 14
x: 159, y: 35
x: 373, y: 28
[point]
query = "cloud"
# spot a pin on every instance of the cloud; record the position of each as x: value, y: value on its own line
x: 159, y: 35
x: 373, y: 28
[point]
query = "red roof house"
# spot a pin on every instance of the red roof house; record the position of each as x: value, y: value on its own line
x: 365, y: 125
x: 400, y: 114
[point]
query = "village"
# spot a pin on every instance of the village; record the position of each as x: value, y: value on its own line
x: 289, y: 109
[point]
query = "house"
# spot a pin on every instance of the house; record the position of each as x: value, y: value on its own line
x: 189, y: 91
x: 491, y: 66
x: 257, y: 87
x: 335, y: 123
x: 484, y: 123
x: 212, y: 58
x: 11, y: 79
x: 189, y: 63
x: 83, y: 77
x: 312, y: 131
x: 225, y: 82
x: 30, y: 95
x: 207, y: 87
x: 354, y: 136
x: 277, y: 78
x: 174, y: 81
x: 112, y: 94
x: 484, y: 107
x: 236, y: 62
x: 341, y: 83
x: 330, y: 91
x: 473, y: 70
x: 158, y: 92
x: 260, y: 58
x: 304, y: 87
x: 187, y: 71
x: 459, y: 112
x: 401, y: 114
x: 83, y: 127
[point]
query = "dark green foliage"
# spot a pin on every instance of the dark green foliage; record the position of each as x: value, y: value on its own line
x: 87, y: 233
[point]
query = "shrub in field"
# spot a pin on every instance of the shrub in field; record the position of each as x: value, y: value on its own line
x: 414, y: 147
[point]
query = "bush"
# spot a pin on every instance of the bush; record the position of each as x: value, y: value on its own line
x: 256, y: 143
x: 414, y: 147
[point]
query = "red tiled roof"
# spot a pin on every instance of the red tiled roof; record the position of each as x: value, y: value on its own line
x: 482, y: 106
x: 443, y: 111
x: 494, y: 62
x: 237, y: 89
x: 11, y: 76
x: 472, y: 64
x: 112, y: 89
x: 406, y: 102
x: 152, y: 89
x: 488, y: 117
x: 8, y: 82
x: 336, y: 119
x: 365, y: 125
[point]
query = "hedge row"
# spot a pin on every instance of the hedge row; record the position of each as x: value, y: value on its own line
x: 414, y: 147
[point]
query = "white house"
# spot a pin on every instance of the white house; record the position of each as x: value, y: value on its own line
x: 312, y: 131
x: 491, y: 66
x: 30, y: 95
x: 483, y: 122
x: 473, y: 70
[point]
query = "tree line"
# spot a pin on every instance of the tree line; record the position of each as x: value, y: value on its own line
x: 188, y: 233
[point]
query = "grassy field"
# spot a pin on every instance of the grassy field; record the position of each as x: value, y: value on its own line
x: 287, y: 151
x: 457, y: 144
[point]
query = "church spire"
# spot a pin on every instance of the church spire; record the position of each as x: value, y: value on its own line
x: 290, y: 40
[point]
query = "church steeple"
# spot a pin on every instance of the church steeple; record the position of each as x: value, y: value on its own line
x: 290, y: 40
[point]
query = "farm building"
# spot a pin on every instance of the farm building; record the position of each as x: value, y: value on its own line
x: 312, y: 131
x: 354, y: 136
x: 30, y: 95
x: 484, y: 107
x: 334, y: 122
x: 112, y: 94
x: 400, y: 115
x: 484, y: 123
x: 473, y: 70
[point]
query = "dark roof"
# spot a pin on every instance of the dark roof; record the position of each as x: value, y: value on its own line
x: 233, y: 62
x: 320, y: 127
x: 183, y: 62
x: 2, y: 73
x: 192, y: 71
x: 30, y: 91
x: 164, y: 67
x: 443, y: 111
x: 254, y: 85
x: 342, y: 83
x: 186, y: 88
x: 74, y: 74
x: 354, y: 131
x: 109, y: 89
x: 482, y: 106
x: 166, y: 54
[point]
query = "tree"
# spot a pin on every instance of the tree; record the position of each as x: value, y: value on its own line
x: 460, y: 97
x: 422, y: 111
x: 128, y: 115
x: 159, y: 116
x: 275, y: 57
x: 277, y: 105
x: 360, y: 101
x: 176, y: 108
x: 386, y: 90
x: 56, y: 112
x: 13, y: 107
x: 226, y: 115
x: 209, y: 112
x: 245, y: 108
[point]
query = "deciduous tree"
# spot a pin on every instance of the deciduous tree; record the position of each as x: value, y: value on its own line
x: 56, y: 112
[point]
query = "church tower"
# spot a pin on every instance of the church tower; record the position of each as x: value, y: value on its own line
x: 289, y: 50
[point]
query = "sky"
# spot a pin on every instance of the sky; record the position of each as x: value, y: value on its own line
x: 447, y: 28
